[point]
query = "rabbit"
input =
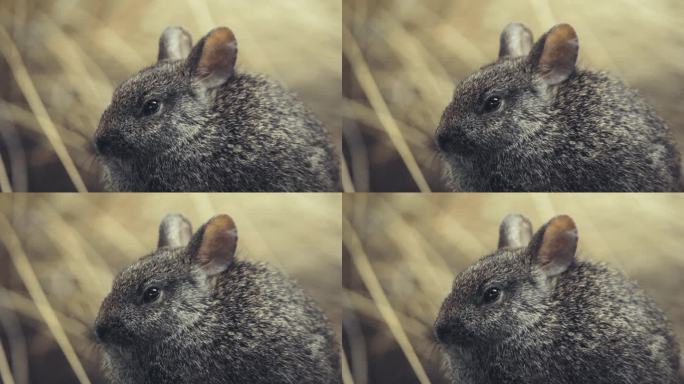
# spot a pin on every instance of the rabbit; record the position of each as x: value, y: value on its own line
x: 534, y: 121
x: 191, y: 312
x: 193, y: 122
x: 530, y: 312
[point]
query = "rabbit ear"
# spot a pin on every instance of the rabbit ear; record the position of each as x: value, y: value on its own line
x: 212, y: 61
x: 174, y: 44
x: 174, y: 231
x: 212, y: 248
x: 515, y: 231
x: 554, y: 56
x: 515, y: 41
x: 553, y: 247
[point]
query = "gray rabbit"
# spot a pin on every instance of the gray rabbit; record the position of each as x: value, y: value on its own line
x: 533, y: 121
x: 191, y: 312
x: 532, y: 313
x: 192, y: 122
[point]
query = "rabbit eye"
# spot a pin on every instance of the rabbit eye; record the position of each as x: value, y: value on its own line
x: 491, y: 295
x: 150, y: 107
x: 151, y: 294
x: 492, y: 104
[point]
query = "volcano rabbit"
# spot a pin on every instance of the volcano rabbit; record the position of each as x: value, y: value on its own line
x: 192, y: 122
x: 191, y: 312
x: 533, y: 121
x: 532, y: 313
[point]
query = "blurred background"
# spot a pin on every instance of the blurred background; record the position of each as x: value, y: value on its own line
x: 60, y: 252
x: 401, y: 252
x: 401, y: 59
x: 61, y: 60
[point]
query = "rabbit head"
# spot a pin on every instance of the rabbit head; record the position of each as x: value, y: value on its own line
x: 508, y: 101
x: 167, y: 291
x: 166, y: 107
x: 506, y: 293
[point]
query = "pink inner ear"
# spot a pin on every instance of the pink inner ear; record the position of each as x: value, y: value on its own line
x: 218, y: 55
x: 559, y: 56
x: 559, y: 244
x: 219, y: 243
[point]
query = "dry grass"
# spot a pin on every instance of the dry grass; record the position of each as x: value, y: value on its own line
x: 415, y: 50
x: 61, y: 60
x: 401, y: 252
x: 61, y: 251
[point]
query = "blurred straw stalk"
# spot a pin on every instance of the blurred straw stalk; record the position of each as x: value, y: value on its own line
x: 61, y: 252
x: 401, y: 59
x: 401, y: 252
x: 61, y: 60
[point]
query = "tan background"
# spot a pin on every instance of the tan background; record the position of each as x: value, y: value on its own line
x: 416, y: 50
x: 75, y: 244
x: 414, y: 244
x: 76, y: 51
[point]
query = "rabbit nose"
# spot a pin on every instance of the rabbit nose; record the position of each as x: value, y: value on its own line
x: 111, y: 331
x: 103, y: 144
x: 445, y: 140
x: 452, y: 331
x: 443, y: 331
x: 102, y: 332
x: 112, y: 144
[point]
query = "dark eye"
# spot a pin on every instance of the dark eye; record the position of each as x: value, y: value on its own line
x: 150, y: 107
x: 151, y: 294
x: 491, y: 295
x: 492, y: 104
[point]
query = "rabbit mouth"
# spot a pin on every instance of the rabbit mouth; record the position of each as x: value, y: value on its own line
x: 113, y: 333
x: 460, y: 144
x: 460, y: 339
x: 456, y: 142
x: 453, y: 333
x: 112, y: 147
x: 475, y: 141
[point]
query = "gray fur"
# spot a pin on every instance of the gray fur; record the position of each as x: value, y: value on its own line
x: 515, y: 41
x: 515, y: 231
x: 590, y: 324
x: 589, y: 132
x: 248, y: 134
x: 175, y: 43
x: 174, y: 231
x: 248, y: 324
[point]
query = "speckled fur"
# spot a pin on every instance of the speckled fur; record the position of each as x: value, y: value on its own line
x: 588, y: 133
x: 250, y: 134
x: 589, y: 325
x: 250, y: 324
